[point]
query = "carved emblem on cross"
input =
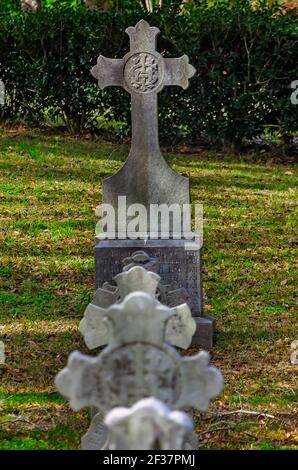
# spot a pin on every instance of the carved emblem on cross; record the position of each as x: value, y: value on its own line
x: 143, y: 69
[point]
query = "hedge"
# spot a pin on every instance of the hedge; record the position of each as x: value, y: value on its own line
x: 246, y: 59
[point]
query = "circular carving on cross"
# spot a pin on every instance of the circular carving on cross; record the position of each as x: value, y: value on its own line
x: 132, y: 372
x: 142, y: 72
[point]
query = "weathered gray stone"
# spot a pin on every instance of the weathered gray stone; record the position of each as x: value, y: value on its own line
x: 181, y: 327
x: 176, y: 297
x: 105, y: 297
x: 94, y: 326
x: 147, y: 425
x: 141, y: 258
x: 145, y: 178
x: 97, y: 436
x: 175, y: 265
x: 138, y: 363
x: 137, y: 278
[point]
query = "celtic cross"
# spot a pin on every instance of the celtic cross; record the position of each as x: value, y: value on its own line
x: 137, y: 363
x: 143, y: 72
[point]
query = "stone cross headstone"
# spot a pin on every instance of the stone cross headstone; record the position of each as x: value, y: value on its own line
x: 146, y: 179
x: 138, y: 363
x: 147, y: 425
x: 180, y: 327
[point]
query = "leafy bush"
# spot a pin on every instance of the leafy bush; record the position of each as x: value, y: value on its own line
x: 245, y: 58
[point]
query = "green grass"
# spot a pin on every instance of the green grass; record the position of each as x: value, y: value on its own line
x: 49, y: 189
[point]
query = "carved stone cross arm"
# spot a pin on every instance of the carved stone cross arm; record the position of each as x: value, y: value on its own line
x: 143, y: 69
x: 110, y: 72
x: 201, y: 382
x: 139, y: 363
x: 178, y: 71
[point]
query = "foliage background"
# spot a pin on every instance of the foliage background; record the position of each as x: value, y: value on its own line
x: 246, y: 58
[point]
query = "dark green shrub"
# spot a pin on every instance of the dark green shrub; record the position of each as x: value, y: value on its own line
x: 245, y: 58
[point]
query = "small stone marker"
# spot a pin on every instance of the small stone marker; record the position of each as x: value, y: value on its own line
x: 180, y: 327
x: 148, y: 425
x: 138, y: 363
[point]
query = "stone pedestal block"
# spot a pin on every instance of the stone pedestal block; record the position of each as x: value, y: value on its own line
x: 178, y: 266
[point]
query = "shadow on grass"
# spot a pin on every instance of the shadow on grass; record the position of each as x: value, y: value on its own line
x: 42, y: 172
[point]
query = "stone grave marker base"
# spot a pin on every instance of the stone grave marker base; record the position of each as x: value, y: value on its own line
x: 177, y: 265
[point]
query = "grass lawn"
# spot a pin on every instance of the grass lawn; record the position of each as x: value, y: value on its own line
x: 49, y: 188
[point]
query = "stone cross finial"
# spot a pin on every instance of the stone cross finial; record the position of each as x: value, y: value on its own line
x: 147, y: 425
x: 145, y: 178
